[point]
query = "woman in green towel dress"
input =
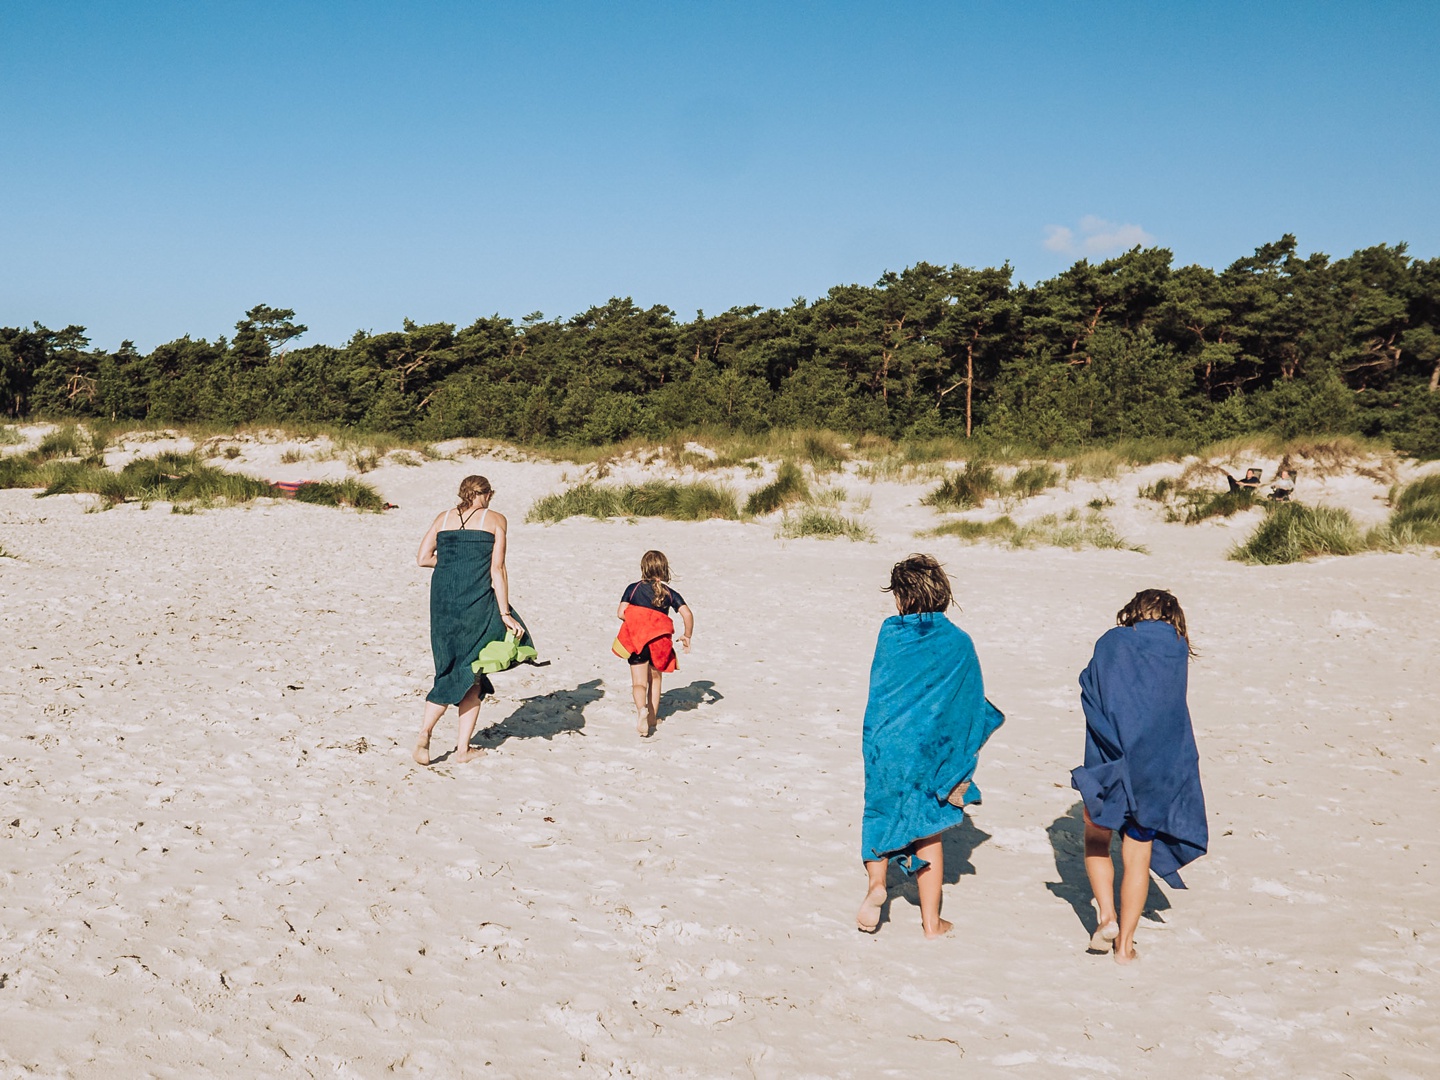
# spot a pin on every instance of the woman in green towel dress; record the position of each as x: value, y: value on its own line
x: 469, y: 608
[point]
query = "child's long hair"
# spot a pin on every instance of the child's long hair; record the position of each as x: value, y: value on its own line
x: 1159, y: 605
x: 655, y: 571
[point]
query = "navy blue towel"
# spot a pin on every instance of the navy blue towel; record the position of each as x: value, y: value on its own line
x: 1141, y: 764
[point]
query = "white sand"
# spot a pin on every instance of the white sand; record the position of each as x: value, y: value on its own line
x: 219, y: 859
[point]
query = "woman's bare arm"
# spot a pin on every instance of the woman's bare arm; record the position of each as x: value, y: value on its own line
x: 500, y: 577
x: 426, y: 555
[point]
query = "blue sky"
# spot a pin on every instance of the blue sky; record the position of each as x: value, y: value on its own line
x: 167, y: 165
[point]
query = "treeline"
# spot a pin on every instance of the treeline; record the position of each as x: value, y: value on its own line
x: 1129, y: 347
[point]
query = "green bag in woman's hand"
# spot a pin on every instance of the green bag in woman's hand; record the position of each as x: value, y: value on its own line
x: 499, y: 655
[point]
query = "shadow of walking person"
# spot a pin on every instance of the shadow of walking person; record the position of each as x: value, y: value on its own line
x: 1067, y: 840
x: 544, y: 717
x: 685, y: 698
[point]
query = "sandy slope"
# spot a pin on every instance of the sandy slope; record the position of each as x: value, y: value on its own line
x: 217, y: 856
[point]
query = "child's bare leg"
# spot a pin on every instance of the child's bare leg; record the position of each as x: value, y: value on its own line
x: 655, y: 676
x: 432, y: 716
x: 1134, y: 888
x: 1101, y: 872
x: 929, y: 882
x: 640, y: 690
x: 868, y: 919
x: 469, y: 712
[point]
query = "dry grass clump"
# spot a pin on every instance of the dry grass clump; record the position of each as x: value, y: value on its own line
x: 1072, y: 530
x: 788, y: 487
x: 1031, y: 480
x: 824, y: 524
x: 657, y: 498
x: 9, y: 436
x: 292, y: 456
x: 1094, y: 465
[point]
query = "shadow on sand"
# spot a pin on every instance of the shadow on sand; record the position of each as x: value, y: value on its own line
x: 685, y: 698
x: 543, y: 717
x: 1067, y: 839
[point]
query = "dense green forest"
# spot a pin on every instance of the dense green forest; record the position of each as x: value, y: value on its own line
x: 1130, y: 347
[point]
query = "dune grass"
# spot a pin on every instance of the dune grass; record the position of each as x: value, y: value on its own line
x: 817, y: 521
x: 9, y: 436
x: 1414, y: 516
x: 1294, y: 531
x: 172, y: 476
x: 656, y: 498
x: 1072, y: 530
x: 347, y: 492
x: 965, y: 489
x: 1031, y: 480
x: 788, y: 487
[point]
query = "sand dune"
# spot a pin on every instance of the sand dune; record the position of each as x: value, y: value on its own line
x: 218, y: 856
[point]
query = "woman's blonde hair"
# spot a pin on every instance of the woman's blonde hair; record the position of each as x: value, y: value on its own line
x: 472, y: 488
x: 655, y: 571
x: 1155, y: 604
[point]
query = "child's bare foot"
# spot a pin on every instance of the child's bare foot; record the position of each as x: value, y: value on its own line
x: 868, y: 919
x: 422, y: 751
x: 942, y: 927
x: 468, y: 753
x: 1128, y: 957
x: 1104, y: 936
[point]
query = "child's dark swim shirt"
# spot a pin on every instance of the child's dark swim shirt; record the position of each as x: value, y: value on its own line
x: 642, y: 594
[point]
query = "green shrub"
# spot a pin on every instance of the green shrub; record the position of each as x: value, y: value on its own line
x: 1294, y: 531
x: 824, y: 524
x: 965, y: 489
x: 788, y: 487
x: 656, y: 498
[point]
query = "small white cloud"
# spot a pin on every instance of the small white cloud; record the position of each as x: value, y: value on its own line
x: 1059, y: 238
x: 1097, y: 237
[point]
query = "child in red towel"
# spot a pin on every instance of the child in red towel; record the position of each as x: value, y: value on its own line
x: 645, y: 639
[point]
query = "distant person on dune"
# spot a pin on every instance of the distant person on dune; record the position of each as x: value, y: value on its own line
x: 925, y: 722
x: 1141, y: 775
x: 647, y: 635
x: 469, y: 609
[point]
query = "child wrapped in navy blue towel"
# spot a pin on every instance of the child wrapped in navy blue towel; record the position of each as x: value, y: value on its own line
x: 1141, y: 775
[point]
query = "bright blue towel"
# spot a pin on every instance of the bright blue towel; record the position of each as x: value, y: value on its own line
x: 1141, y: 764
x: 925, y: 723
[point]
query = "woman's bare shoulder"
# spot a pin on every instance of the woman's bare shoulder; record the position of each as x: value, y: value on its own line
x: 497, y: 519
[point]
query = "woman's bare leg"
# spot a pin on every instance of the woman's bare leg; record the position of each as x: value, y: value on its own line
x: 929, y: 882
x: 875, y: 895
x: 1134, y: 888
x: 1101, y: 872
x: 655, y: 677
x: 469, y: 712
x: 640, y: 690
x: 433, y: 713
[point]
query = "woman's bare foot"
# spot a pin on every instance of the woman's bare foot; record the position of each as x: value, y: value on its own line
x: 1104, y: 936
x: 868, y: 919
x: 942, y: 927
x: 468, y: 753
x: 422, y: 751
x: 642, y: 727
x: 1127, y: 958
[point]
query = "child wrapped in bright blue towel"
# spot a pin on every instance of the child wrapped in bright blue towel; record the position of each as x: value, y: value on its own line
x: 925, y: 722
x: 1141, y: 775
